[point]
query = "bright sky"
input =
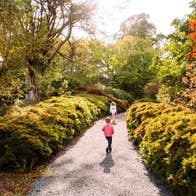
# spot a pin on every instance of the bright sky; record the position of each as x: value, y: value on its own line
x: 111, y: 13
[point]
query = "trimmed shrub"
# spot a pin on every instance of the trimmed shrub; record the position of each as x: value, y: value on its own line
x: 38, y: 132
x: 122, y: 105
x: 119, y: 94
x: 145, y: 99
x: 99, y: 101
x: 166, y: 137
x: 138, y: 115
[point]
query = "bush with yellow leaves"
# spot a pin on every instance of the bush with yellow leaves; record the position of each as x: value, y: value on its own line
x: 166, y: 137
x: 38, y: 132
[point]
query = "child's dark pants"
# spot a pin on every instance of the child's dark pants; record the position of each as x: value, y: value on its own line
x: 109, y: 139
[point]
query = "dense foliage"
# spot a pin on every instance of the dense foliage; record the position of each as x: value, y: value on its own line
x: 32, y: 35
x: 120, y: 94
x: 175, y: 70
x: 166, y: 139
x: 122, y: 105
x: 132, y: 68
x: 37, y: 132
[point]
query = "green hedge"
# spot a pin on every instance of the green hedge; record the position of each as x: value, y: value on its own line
x: 119, y: 94
x: 38, y: 132
x: 166, y: 137
x: 122, y: 105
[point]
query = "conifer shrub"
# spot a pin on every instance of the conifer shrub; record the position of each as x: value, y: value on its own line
x: 138, y: 115
x: 38, y: 132
x: 166, y: 137
x: 119, y: 94
x: 99, y: 101
x: 122, y: 105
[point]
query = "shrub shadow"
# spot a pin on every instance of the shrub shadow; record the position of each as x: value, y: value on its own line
x: 163, y: 189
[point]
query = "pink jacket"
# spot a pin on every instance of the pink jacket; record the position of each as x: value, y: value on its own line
x: 108, y: 130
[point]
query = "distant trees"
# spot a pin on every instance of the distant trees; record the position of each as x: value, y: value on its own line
x: 125, y: 64
x: 134, y: 52
x: 134, y: 56
x: 137, y: 25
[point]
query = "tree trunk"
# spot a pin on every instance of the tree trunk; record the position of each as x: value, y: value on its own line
x: 33, y: 96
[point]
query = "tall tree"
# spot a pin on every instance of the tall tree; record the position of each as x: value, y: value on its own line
x: 137, y: 25
x: 43, y: 27
x: 134, y: 56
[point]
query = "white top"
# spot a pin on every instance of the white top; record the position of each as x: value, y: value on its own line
x: 113, y: 109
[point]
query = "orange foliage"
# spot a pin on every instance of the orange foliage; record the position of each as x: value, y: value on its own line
x: 192, y: 35
x: 192, y: 25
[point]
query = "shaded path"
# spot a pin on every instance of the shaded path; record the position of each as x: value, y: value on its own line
x: 85, y: 170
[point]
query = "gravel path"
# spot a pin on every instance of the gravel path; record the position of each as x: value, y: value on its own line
x: 84, y: 169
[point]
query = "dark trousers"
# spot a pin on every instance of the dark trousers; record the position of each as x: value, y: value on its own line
x: 109, y: 139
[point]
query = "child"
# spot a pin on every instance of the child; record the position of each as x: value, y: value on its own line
x: 108, y: 132
x: 113, y: 111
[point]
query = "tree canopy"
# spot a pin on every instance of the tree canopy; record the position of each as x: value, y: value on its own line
x: 34, y: 31
x: 41, y: 57
x: 137, y: 25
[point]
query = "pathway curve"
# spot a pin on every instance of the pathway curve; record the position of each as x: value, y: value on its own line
x: 84, y: 169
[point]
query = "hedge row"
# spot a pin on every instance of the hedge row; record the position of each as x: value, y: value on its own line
x: 122, y: 105
x: 38, y: 132
x: 119, y: 94
x: 166, y: 137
